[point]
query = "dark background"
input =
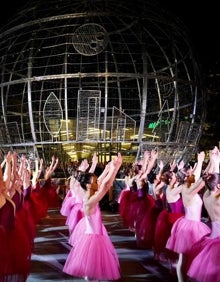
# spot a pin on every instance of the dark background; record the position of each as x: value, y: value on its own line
x: 202, y: 19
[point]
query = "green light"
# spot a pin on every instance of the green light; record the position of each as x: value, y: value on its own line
x: 153, y: 125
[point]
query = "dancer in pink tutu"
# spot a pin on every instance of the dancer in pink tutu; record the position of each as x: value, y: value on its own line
x: 76, y: 211
x: 93, y: 255
x: 189, y: 229
x: 69, y: 200
x: 72, y: 207
x: 204, y: 257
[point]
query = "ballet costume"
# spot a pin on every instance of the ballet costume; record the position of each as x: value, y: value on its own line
x: 93, y: 255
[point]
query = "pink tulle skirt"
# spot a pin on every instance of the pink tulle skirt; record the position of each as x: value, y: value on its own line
x: 204, y: 260
x: 185, y: 233
x: 67, y: 204
x: 74, y: 217
x: 93, y: 256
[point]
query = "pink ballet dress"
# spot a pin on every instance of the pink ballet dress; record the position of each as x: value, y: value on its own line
x: 81, y: 228
x: 189, y: 229
x: 76, y: 213
x: 204, y: 257
x: 67, y: 203
x: 93, y: 255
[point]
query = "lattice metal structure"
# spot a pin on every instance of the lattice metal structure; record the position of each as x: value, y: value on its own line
x: 123, y: 127
x: 134, y: 55
x: 53, y: 115
x: 88, y: 115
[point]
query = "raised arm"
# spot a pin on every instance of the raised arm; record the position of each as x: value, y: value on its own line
x: 84, y: 165
x: 8, y: 170
x: 52, y: 167
x: 197, y: 170
x: 36, y: 172
x: 21, y: 166
x: 152, y: 159
x: 107, y: 181
x: 104, y: 173
x: 211, y: 166
x: 215, y: 160
x: 161, y: 166
x: 145, y: 160
x: 94, y: 163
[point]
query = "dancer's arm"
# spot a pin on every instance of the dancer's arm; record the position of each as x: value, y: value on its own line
x: 198, y: 167
x: 94, y: 163
x: 151, y: 163
x: 8, y: 170
x: 53, y: 166
x: 107, y: 181
x: 37, y: 171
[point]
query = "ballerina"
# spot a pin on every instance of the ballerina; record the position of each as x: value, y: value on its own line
x: 204, y: 256
x: 93, y: 255
x: 72, y: 207
x: 188, y: 229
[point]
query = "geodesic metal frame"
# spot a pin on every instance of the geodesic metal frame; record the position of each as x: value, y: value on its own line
x: 135, y: 54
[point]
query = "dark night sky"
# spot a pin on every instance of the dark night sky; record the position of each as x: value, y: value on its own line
x: 203, y: 22
x: 200, y: 17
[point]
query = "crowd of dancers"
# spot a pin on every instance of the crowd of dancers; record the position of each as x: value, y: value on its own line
x: 26, y: 194
x: 173, y: 210
x: 24, y: 201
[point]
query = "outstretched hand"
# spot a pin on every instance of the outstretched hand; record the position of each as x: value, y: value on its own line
x: 117, y: 161
x: 84, y: 165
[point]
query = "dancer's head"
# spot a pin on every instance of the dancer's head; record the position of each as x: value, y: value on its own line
x: 87, y: 181
x: 212, y: 181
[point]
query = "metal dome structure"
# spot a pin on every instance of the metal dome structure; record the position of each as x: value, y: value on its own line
x: 79, y: 76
